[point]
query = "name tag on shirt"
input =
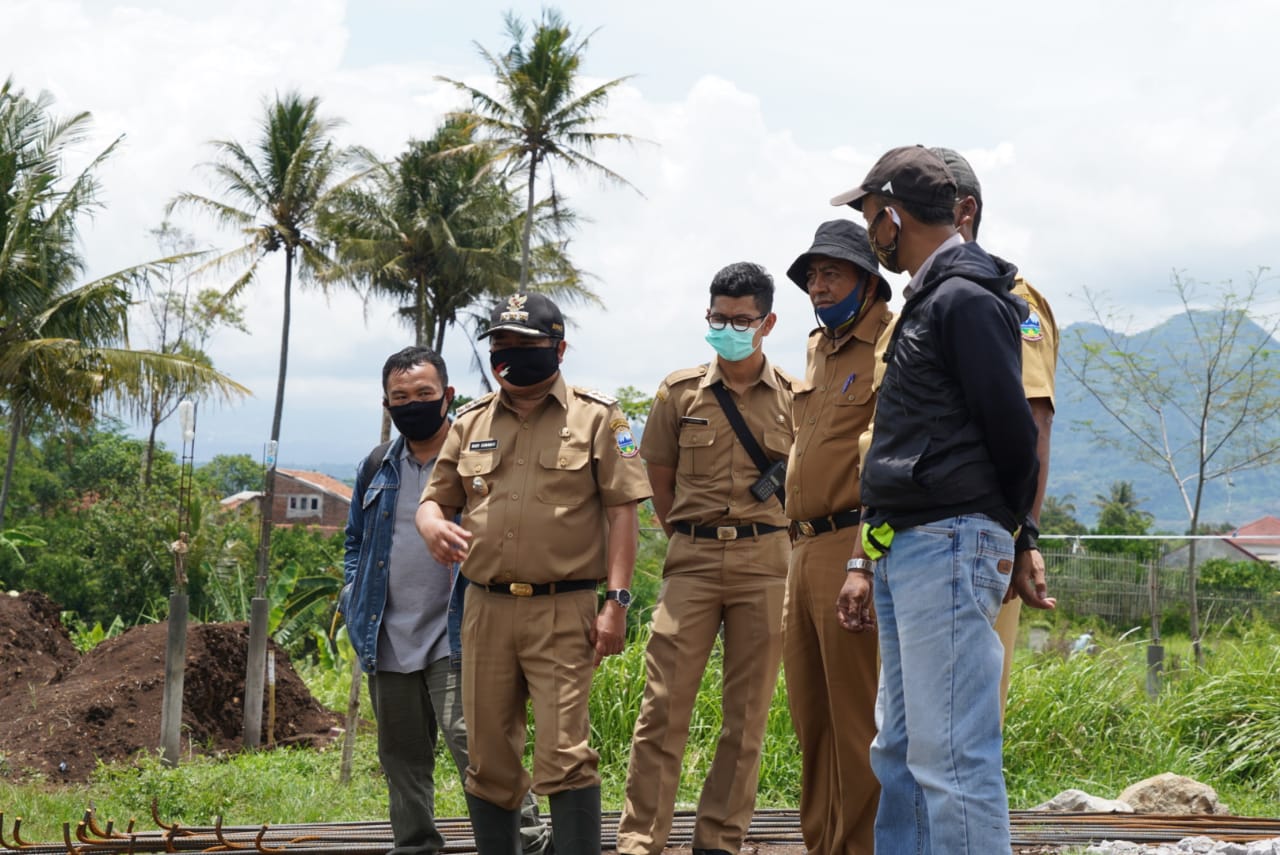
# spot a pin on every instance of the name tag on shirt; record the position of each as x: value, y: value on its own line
x: 483, y: 445
x: 693, y: 420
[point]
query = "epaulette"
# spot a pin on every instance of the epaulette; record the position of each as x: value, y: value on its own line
x: 476, y: 404
x: 599, y: 397
x: 795, y: 383
x: 686, y: 374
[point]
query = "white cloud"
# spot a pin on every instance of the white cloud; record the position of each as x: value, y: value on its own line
x: 1114, y: 142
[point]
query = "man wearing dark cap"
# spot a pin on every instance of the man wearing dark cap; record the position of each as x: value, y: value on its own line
x: 538, y: 471
x: 1039, y: 361
x: 714, y: 435
x: 949, y: 478
x: 831, y: 673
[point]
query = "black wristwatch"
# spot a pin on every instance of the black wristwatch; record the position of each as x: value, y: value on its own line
x: 621, y: 596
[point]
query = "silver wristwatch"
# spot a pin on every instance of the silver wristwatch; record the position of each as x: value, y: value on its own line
x: 860, y: 565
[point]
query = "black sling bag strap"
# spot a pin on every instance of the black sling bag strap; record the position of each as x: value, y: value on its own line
x: 739, y: 425
x: 370, y: 466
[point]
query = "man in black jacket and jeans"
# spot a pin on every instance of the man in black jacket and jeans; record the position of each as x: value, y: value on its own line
x: 948, y: 480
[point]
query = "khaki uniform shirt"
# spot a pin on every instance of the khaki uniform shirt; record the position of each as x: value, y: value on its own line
x: 832, y: 409
x: 1039, y: 343
x: 688, y: 431
x: 533, y: 490
x: 1039, y: 351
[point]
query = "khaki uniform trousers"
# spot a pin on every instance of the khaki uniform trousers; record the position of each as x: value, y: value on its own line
x: 832, y: 677
x: 1007, y: 629
x: 520, y: 649
x: 706, y: 583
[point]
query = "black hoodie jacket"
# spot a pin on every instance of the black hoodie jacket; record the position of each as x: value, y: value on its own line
x: 953, y: 430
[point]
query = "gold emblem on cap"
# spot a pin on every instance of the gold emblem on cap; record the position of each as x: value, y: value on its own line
x: 515, y: 309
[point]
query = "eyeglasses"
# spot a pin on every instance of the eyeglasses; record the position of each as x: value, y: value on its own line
x: 741, y: 323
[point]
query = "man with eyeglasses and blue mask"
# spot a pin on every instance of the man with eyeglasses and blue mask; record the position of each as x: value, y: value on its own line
x: 716, y: 444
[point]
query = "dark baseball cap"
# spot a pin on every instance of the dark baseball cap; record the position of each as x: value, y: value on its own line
x: 911, y: 173
x: 526, y: 313
x: 966, y: 180
x: 841, y: 239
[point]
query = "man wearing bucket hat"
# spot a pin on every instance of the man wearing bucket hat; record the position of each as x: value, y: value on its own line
x: 831, y: 673
x: 1039, y: 334
x: 715, y: 443
x: 950, y: 476
x: 540, y: 472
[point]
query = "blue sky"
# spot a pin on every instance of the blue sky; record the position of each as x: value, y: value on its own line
x: 1116, y: 142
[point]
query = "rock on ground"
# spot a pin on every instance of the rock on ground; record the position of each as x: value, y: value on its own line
x: 1174, y: 794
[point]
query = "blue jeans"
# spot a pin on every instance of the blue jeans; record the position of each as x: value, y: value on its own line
x: 938, y: 752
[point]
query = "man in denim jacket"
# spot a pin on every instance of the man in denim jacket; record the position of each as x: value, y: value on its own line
x: 404, y: 609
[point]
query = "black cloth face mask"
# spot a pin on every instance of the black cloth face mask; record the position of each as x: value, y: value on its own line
x: 418, y: 420
x: 525, y: 366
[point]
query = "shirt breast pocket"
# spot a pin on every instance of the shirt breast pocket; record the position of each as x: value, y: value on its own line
x: 851, y: 410
x: 475, y: 469
x: 696, y: 451
x: 564, y: 476
x: 777, y: 443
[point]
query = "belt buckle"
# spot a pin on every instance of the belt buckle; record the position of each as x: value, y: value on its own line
x: 806, y: 528
x: 726, y: 532
x: 520, y: 589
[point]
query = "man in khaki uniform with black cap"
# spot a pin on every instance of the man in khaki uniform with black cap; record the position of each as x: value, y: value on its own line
x: 715, y: 443
x: 831, y: 673
x: 538, y: 471
x: 1039, y: 334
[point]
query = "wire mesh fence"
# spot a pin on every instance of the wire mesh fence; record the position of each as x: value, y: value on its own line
x: 1118, y: 590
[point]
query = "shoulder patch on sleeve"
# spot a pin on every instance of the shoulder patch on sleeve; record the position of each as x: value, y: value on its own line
x: 594, y: 395
x: 476, y: 404
x: 1032, y: 329
x: 627, y: 446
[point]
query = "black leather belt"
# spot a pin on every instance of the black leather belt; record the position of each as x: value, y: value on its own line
x: 530, y: 589
x: 724, y: 532
x: 822, y: 525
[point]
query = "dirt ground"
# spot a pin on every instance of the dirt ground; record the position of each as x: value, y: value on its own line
x: 63, y: 708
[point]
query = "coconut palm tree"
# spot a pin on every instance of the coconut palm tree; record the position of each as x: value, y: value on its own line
x: 438, y: 231
x: 536, y: 116
x: 63, y: 347
x: 273, y: 193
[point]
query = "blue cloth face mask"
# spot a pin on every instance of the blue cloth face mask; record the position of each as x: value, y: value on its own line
x: 732, y: 345
x: 837, y: 315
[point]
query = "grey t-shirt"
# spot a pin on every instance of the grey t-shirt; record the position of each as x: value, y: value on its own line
x: 415, y: 623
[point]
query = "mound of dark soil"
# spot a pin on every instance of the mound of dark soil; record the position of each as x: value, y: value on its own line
x: 63, y: 712
x: 34, y: 646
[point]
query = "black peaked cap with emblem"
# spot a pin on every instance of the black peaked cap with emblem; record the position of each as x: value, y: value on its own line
x: 842, y: 239
x: 911, y: 173
x: 527, y: 313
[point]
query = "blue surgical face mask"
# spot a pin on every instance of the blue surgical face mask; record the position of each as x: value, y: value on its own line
x: 835, y: 316
x: 731, y: 344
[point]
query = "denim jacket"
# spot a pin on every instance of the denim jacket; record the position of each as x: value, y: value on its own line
x: 370, y: 525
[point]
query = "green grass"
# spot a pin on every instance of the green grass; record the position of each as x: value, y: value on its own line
x: 1083, y: 722
x: 1086, y: 721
